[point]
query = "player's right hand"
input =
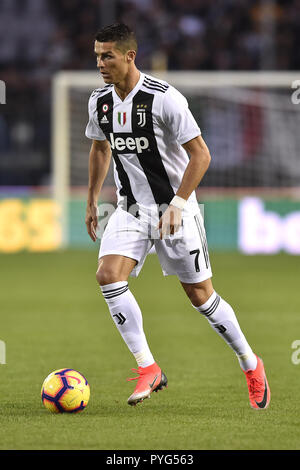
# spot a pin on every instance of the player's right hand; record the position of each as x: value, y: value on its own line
x: 91, y: 221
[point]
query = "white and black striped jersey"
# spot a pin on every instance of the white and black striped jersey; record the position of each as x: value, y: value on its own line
x: 145, y: 132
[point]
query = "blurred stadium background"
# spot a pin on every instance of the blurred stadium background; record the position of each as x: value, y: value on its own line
x: 236, y: 61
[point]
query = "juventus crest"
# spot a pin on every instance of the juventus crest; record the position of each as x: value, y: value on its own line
x: 141, y: 112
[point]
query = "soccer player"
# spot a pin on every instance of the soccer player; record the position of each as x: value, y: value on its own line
x: 159, y: 159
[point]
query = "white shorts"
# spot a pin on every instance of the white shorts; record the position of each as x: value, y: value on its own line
x: 184, y: 254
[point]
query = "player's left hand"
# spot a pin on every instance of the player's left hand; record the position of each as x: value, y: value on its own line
x: 170, y: 221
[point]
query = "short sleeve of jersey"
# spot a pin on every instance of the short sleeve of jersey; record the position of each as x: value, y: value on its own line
x: 93, y: 130
x: 177, y: 116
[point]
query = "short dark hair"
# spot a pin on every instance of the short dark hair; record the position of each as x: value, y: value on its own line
x: 119, y: 33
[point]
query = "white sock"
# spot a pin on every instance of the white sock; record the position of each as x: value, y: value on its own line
x: 223, y: 320
x: 127, y: 316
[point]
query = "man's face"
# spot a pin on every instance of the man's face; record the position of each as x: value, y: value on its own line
x: 111, y: 62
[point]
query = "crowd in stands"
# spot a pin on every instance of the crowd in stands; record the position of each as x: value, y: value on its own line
x: 41, y: 37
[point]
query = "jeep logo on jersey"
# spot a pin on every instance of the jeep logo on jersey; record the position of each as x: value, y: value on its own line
x: 128, y: 144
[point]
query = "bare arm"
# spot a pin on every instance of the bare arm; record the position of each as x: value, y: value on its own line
x: 198, y: 165
x: 195, y: 170
x: 99, y: 160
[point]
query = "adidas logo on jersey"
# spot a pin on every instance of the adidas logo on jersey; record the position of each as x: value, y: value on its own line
x: 104, y: 120
x: 130, y: 143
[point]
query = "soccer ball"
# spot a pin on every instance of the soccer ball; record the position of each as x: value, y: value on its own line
x: 65, y: 390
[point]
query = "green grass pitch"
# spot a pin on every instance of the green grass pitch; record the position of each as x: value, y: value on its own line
x: 53, y: 316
